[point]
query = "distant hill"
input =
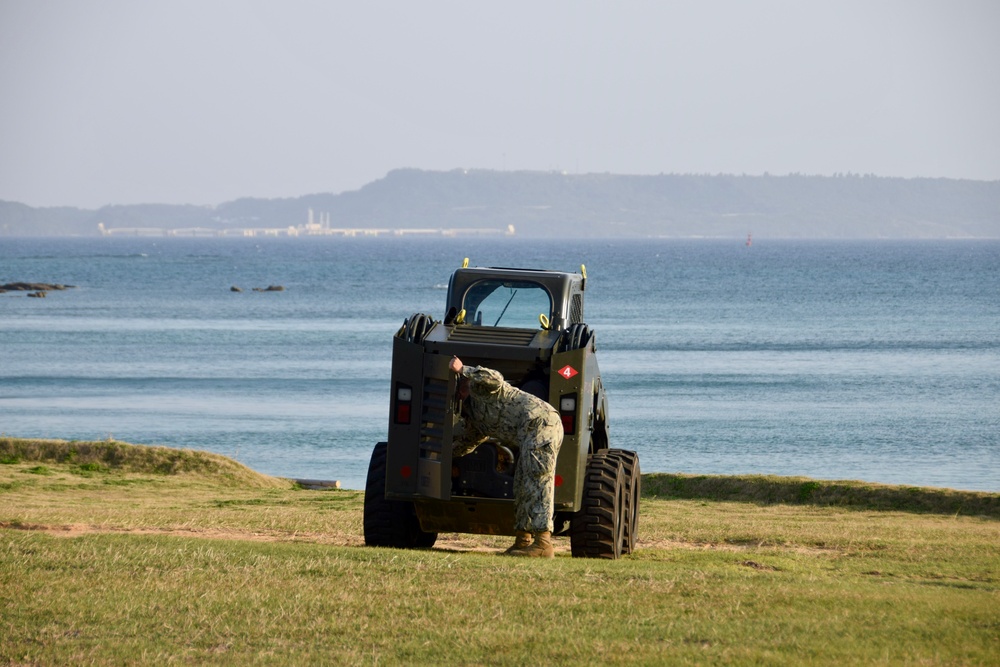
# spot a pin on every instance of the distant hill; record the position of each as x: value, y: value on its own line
x: 592, y: 205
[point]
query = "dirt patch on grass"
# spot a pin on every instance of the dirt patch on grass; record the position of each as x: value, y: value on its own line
x: 734, y: 547
x: 454, y: 542
x: 80, y: 529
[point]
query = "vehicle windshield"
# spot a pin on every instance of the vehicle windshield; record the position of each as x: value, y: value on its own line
x: 506, y: 303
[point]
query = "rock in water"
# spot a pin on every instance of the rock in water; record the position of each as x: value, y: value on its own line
x: 33, y: 287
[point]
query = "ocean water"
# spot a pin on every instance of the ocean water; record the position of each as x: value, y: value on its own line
x: 876, y: 361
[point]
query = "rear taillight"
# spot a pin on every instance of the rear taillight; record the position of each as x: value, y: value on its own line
x: 404, y: 401
x: 567, y: 411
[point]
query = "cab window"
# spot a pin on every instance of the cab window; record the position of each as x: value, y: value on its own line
x: 506, y: 303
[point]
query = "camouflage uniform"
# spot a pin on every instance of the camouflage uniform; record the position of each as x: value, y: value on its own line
x: 498, y: 410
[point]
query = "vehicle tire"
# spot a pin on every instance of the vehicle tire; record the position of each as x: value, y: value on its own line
x: 598, y: 528
x: 633, y: 490
x: 390, y: 523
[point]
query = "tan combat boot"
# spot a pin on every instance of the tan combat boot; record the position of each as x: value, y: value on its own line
x: 541, y: 547
x: 522, y: 538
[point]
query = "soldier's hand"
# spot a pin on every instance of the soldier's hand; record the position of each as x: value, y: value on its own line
x: 455, y: 365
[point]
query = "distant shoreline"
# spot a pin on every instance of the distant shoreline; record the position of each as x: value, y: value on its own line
x: 561, y: 205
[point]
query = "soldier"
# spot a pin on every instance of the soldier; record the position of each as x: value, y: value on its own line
x: 494, y: 408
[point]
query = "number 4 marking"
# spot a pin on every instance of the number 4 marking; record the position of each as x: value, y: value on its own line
x: 567, y: 371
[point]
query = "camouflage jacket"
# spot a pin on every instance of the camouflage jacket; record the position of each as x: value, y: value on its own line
x: 496, y: 409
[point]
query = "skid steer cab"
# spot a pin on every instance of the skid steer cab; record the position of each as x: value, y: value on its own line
x: 529, y: 326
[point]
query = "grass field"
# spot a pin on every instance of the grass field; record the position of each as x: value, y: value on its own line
x: 118, y: 554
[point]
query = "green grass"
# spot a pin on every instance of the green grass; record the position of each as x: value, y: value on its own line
x: 107, y: 565
x: 769, y: 489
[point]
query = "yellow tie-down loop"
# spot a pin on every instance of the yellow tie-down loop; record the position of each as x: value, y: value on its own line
x: 460, y: 318
x: 465, y: 263
x: 543, y: 319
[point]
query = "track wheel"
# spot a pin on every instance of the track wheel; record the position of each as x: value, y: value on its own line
x: 390, y: 523
x: 598, y: 529
x: 633, y: 489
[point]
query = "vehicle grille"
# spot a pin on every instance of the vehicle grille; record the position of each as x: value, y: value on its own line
x: 493, y: 336
x: 435, y: 411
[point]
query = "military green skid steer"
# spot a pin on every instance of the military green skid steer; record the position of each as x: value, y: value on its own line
x: 529, y: 326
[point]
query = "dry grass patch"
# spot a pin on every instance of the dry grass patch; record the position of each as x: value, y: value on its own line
x: 106, y: 566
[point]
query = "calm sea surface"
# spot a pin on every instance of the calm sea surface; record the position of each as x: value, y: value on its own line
x: 877, y: 361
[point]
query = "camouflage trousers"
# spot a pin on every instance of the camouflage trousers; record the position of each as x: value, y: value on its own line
x: 534, y: 475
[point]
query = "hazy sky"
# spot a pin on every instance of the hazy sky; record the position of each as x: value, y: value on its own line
x: 204, y: 101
